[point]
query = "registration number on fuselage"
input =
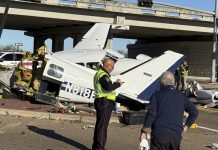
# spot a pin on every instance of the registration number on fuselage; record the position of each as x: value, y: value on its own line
x: 78, y: 90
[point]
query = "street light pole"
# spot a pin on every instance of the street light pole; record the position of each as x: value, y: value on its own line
x: 18, y: 45
x: 213, y: 77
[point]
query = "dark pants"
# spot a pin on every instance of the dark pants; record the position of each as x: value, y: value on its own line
x: 165, y: 141
x: 103, y: 108
x: 183, y: 81
x: 177, y: 81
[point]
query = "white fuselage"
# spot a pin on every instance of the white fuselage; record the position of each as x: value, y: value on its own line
x: 71, y: 70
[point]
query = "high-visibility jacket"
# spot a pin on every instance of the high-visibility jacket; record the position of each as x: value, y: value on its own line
x: 183, y: 70
x: 99, y: 90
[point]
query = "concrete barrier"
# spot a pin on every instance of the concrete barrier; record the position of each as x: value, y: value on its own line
x: 53, y: 116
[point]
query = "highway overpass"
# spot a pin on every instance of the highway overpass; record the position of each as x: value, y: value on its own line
x: 168, y: 26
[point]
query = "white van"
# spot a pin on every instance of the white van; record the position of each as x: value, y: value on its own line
x: 10, y: 59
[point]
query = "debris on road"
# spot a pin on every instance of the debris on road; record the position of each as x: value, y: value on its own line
x: 88, y: 126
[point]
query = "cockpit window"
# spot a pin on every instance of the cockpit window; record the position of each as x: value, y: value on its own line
x: 55, y: 71
x: 81, y: 64
x: 92, y: 65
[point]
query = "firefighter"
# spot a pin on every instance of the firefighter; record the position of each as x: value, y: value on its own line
x: 104, y: 103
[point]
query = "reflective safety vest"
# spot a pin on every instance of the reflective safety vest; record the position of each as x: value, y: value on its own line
x: 183, y: 70
x: 99, y: 91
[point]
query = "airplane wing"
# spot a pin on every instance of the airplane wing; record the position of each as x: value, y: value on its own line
x: 143, y: 80
x: 95, y: 38
x: 125, y: 95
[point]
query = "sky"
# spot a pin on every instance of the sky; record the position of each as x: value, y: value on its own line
x: 12, y: 36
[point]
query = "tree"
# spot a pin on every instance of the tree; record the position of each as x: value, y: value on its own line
x: 9, y: 47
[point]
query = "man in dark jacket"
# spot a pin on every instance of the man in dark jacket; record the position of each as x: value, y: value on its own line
x: 165, y: 116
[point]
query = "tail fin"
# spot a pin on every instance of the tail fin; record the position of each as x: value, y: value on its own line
x: 95, y: 38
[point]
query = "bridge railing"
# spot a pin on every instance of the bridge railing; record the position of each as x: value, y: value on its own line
x: 160, y: 10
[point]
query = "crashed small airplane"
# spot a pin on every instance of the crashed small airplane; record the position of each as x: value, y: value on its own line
x: 68, y: 75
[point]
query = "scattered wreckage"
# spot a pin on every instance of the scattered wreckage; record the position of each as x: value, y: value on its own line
x: 208, y: 98
x: 24, y: 77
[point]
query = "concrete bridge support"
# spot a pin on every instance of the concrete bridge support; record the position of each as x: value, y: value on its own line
x: 76, y: 39
x: 57, y: 40
x: 38, y: 42
x: 58, y: 43
x: 199, y: 54
x: 58, y: 35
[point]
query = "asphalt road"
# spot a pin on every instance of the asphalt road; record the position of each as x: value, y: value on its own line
x: 19, y: 133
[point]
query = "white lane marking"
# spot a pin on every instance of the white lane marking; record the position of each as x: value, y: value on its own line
x: 9, y: 126
x: 210, y: 129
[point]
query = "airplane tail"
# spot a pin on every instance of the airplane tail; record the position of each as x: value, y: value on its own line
x: 95, y: 38
x: 143, y: 80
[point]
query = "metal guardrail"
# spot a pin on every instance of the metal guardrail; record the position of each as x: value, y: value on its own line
x: 158, y: 9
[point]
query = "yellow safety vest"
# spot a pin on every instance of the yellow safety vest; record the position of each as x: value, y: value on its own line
x: 183, y: 71
x: 99, y: 91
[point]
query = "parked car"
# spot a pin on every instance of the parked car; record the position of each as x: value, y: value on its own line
x: 10, y: 59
